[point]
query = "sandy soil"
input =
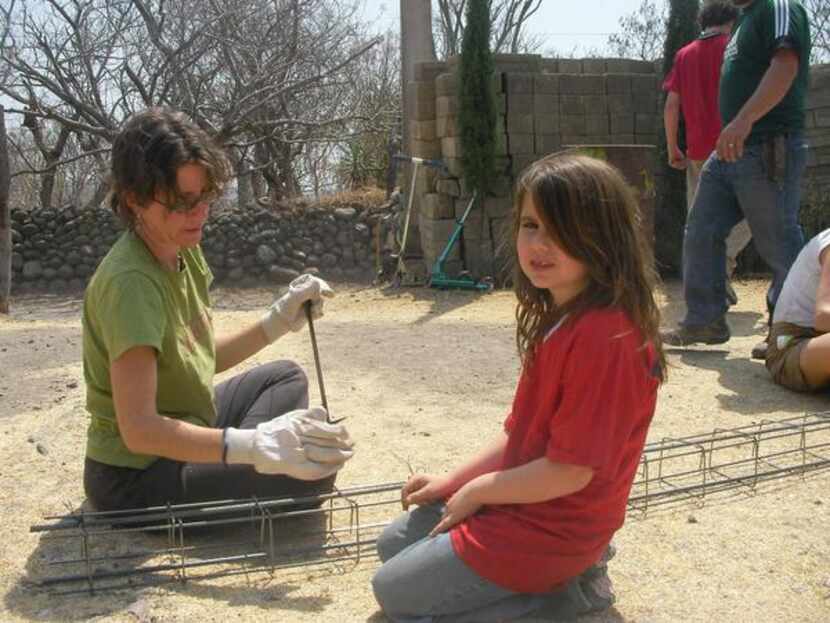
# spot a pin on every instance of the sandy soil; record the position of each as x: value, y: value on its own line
x: 424, y: 378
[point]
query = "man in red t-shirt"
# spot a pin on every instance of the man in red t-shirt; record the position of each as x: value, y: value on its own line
x: 692, y: 87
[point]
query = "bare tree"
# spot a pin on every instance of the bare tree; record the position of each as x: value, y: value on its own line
x: 5, y: 46
x: 364, y: 155
x: 642, y: 32
x: 264, y: 76
x: 509, y: 18
x: 5, y: 220
x: 819, y: 12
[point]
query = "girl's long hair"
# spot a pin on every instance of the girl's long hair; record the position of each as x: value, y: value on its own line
x: 591, y: 212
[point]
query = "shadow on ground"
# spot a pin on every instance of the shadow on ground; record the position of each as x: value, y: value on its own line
x: 752, y: 389
x: 142, y: 549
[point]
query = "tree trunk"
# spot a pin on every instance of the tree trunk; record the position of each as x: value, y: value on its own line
x: 47, y: 184
x: 98, y: 197
x: 258, y: 185
x: 244, y: 190
x: 5, y: 220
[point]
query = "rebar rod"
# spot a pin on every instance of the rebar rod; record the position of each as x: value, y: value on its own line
x: 140, y: 515
x: 193, y: 564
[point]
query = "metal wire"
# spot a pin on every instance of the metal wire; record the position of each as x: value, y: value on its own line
x: 185, y: 541
x: 699, y: 467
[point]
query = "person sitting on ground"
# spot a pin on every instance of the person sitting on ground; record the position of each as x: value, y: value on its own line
x: 798, y: 354
x: 158, y: 431
x: 527, y: 523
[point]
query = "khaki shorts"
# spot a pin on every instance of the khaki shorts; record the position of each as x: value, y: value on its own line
x: 784, y: 355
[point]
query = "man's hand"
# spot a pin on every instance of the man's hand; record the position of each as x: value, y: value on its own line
x: 730, y: 145
x: 461, y: 505
x: 299, y: 444
x: 422, y: 489
x: 287, y: 313
x: 677, y: 159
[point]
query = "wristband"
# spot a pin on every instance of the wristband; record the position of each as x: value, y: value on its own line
x: 224, y: 447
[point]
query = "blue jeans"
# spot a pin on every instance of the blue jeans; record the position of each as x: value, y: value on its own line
x: 423, y: 581
x: 729, y: 192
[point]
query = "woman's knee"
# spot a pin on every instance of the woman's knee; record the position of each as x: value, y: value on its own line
x: 288, y: 377
x: 285, y: 371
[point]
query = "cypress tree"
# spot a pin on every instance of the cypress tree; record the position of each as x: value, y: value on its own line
x: 670, y: 219
x: 477, y: 102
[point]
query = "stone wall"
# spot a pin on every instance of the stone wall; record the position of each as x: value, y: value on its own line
x: 57, y: 250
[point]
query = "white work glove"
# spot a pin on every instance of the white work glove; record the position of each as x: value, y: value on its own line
x: 299, y: 444
x: 287, y: 313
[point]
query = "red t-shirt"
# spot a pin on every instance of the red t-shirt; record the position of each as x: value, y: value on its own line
x: 695, y: 77
x: 587, y: 400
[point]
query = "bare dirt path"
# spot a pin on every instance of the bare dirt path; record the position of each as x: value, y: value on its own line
x: 425, y: 378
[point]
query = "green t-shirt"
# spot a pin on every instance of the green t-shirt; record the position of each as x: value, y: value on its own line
x: 133, y: 301
x: 762, y: 28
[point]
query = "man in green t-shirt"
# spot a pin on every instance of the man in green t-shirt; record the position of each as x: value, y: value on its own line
x: 755, y: 171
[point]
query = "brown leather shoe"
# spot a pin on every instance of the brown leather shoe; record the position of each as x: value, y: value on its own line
x: 716, y: 332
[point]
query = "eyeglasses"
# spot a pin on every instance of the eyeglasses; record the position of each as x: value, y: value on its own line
x: 182, y: 205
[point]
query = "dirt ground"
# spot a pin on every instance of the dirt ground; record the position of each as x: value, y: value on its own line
x: 426, y: 377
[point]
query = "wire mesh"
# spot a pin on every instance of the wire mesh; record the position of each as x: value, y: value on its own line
x: 728, y: 461
x: 97, y: 551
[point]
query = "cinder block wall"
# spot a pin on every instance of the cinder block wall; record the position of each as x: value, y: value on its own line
x: 818, y: 136
x: 544, y: 105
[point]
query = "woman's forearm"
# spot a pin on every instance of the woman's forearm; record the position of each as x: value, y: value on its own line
x: 157, y: 435
x: 235, y: 348
x: 537, y: 481
x: 134, y: 382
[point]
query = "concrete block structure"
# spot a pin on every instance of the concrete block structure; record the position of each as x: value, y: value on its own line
x: 544, y: 105
x: 608, y: 107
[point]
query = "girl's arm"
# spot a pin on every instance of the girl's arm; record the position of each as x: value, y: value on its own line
x: 237, y: 347
x: 424, y: 488
x: 537, y: 481
x: 143, y: 430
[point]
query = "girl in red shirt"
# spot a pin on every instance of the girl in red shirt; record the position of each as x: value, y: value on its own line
x: 527, y: 523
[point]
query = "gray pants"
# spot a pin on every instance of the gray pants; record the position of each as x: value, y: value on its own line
x: 244, y: 401
x: 423, y: 581
x: 740, y: 235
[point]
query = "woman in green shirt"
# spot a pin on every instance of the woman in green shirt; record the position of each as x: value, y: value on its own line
x: 159, y: 432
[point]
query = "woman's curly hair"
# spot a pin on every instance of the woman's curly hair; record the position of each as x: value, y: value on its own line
x: 147, y: 154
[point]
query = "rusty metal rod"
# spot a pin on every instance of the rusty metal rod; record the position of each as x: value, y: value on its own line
x: 308, y: 315
x: 162, y: 513
x: 120, y: 573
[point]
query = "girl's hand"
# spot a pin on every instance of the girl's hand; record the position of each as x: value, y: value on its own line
x: 423, y: 489
x: 461, y: 505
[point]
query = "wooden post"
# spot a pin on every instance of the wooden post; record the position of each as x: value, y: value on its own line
x: 5, y: 220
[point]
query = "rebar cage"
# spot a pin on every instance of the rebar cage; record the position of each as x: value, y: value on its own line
x: 698, y: 467
x: 96, y: 551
